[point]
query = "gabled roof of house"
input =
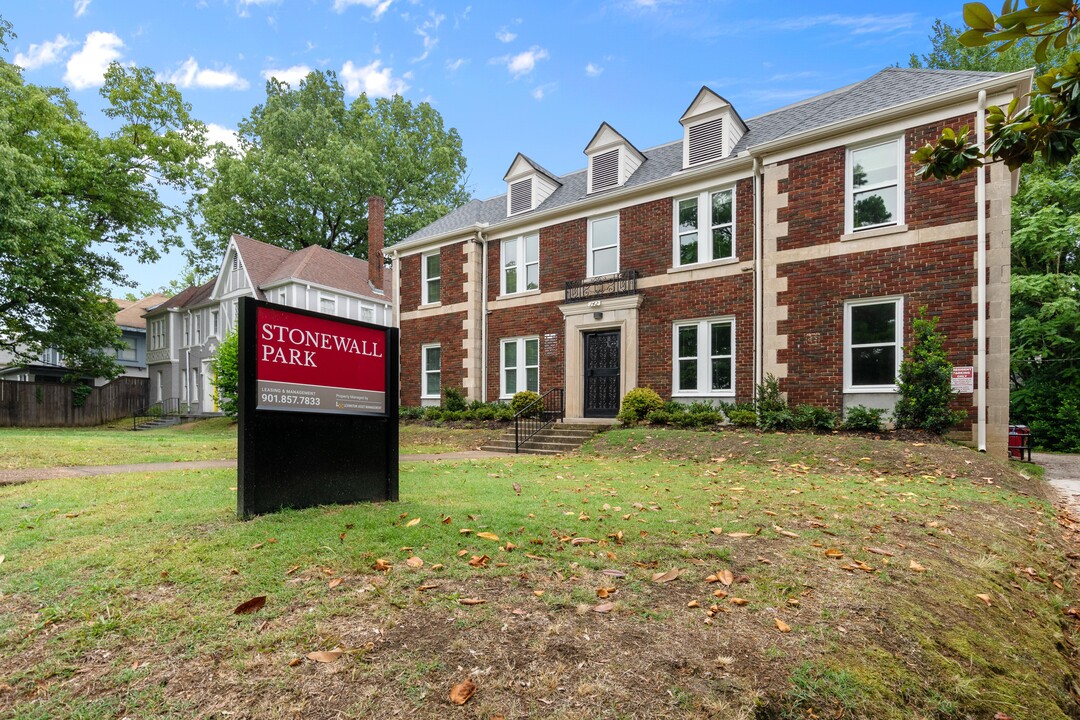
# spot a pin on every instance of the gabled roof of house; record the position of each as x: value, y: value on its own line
x: 191, y: 295
x: 888, y: 88
x: 132, y: 311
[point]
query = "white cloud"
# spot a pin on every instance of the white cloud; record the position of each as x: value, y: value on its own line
x: 541, y: 91
x: 858, y: 24
x: 524, y: 62
x: 371, y: 80
x: 593, y: 70
x: 292, y: 75
x: 86, y: 68
x: 219, y: 133
x: 243, y: 5
x: 46, y: 53
x: 425, y: 31
x: 505, y: 35
x: 377, y: 7
x: 80, y: 7
x: 189, y: 74
x: 455, y: 65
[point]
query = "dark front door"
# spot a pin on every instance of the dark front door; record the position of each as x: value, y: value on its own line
x: 602, y: 374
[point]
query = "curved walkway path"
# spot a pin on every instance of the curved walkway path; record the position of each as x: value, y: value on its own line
x: 25, y: 475
x: 1063, y: 472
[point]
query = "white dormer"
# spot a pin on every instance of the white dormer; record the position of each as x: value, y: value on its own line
x: 527, y: 185
x: 711, y: 128
x: 612, y: 159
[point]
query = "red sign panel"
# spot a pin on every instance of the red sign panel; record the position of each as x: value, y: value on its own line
x: 318, y: 364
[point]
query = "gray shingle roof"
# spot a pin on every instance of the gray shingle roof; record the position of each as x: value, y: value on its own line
x: 889, y: 88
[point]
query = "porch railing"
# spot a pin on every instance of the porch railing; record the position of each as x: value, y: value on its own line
x: 623, y: 283
x: 169, y: 407
x: 537, y: 415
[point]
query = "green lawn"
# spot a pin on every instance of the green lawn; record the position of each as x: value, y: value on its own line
x: 118, y: 592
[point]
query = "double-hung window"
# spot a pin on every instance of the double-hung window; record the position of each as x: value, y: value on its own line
x: 603, y: 246
x: 327, y: 304
x: 157, y: 334
x: 873, y: 344
x: 431, y: 357
x: 704, y: 357
x: 875, y: 185
x: 520, y: 264
x: 520, y: 365
x: 127, y: 352
x: 705, y: 227
x: 432, y: 270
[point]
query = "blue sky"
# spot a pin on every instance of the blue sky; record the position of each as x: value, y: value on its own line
x: 531, y: 77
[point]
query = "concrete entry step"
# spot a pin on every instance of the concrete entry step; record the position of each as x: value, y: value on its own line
x: 560, y: 438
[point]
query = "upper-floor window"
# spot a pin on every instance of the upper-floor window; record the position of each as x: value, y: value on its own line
x: 127, y: 352
x: 431, y: 356
x: 187, y: 330
x: 520, y: 365
x: 367, y: 312
x: 873, y: 344
x: 215, y: 323
x: 197, y: 320
x: 157, y: 334
x: 704, y: 357
x: 520, y: 264
x: 705, y: 227
x: 432, y: 280
x: 603, y: 246
x: 327, y: 304
x: 875, y: 185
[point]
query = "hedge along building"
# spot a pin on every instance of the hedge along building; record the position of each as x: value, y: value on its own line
x: 184, y: 333
x: 797, y: 243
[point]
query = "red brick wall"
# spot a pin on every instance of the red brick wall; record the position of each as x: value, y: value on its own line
x: 663, y: 306
x: 528, y: 321
x: 451, y: 260
x: 645, y: 237
x: 815, y: 188
x: 938, y: 275
x: 443, y: 329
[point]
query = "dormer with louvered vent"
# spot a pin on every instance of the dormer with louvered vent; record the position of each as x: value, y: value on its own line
x: 527, y: 185
x: 711, y: 128
x: 612, y: 160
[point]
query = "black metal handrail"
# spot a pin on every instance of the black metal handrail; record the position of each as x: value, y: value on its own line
x: 169, y: 407
x: 537, y: 415
x: 616, y: 285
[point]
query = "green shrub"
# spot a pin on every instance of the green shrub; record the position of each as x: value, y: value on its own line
x: 864, y: 418
x: 926, y: 381
x: 811, y: 417
x: 659, y: 417
x: 504, y: 413
x: 484, y: 412
x: 742, y: 417
x: 776, y: 420
x: 433, y: 413
x: 769, y: 397
x: 700, y: 407
x: 453, y: 415
x: 225, y: 374
x: 688, y: 420
x: 410, y: 413
x: 523, y: 400
x: 453, y: 399
x: 638, y: 403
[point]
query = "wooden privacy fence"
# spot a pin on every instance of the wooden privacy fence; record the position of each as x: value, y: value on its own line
x: 25, y: 404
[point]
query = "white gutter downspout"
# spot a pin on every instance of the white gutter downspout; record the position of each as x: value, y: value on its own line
x: 980, y: 264
x: 395, y: 320
x: 483, y: 317
x: 759, y: 291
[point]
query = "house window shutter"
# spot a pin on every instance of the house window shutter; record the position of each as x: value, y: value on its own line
x: 706, y: 141
x: 605, y: 170
x: 521, y: 196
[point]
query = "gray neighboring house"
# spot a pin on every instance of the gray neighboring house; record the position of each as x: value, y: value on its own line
x: 184, y: 332
x: 50, y: 365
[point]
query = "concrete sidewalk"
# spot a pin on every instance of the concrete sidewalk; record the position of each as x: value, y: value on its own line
x: 13, y: 477
x: 1063, y: 473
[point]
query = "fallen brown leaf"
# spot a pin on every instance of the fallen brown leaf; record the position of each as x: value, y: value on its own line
x: 381, y: 565
x: 916, y: 566
x: 250, y: 606
x: 334, y: 583
x: 605, y: 592
x: 414, y: 562
x: 325, y: 656
x: 414, y: 521
x: 604, y: 607
x: 833, y: 553
x: 488, y: 536
x: 984, y: 597
x: 726, y: 577
x: 471, y: 601
x: 666, y: 576
x: 738, y: 601
x: 878, y: 551
x: 782, y: 626
x: 581, y: 541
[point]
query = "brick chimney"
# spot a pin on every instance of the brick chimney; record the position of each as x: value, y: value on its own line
x: 376, y: 214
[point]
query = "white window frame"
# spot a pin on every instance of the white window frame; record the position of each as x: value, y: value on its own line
x: 157, y: 334
x: 521, y: 369
x: 704, y: 357
x: 128, y: 350
x: 196, y: 322
x: 898, y: 341
x: 426, y: 281
x: 215, y: 322
x: 367, y: 312
x: 590, y: 250
x: 520, y: 244
x: 425, y: 371
x: 327, y: 298
x: 187, y: 330
x: 849, y: 188
x: 705, y: 244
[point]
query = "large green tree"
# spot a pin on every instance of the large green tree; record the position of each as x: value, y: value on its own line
x: 72, y: 200
x: 307, y: 162
x: 1045, y: 257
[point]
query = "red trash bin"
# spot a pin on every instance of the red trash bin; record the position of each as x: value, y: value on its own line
x: 1019, y: 442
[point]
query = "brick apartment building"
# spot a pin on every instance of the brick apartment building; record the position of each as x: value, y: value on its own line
x: 797, y: 243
